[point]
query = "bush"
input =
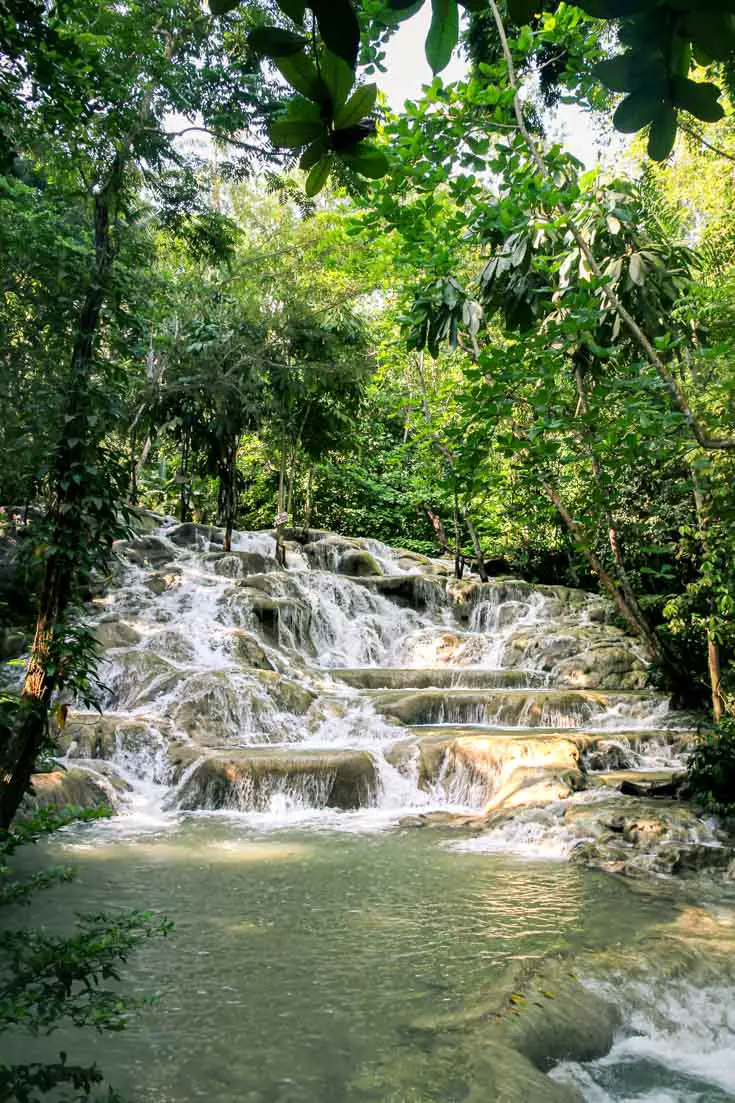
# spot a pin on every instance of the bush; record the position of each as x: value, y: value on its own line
x: 48, y: 980
x: 711, y: 769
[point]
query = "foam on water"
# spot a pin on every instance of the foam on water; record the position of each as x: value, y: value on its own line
x: 676, y: 1034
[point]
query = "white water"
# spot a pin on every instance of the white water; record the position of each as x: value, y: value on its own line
x: 180, y: 672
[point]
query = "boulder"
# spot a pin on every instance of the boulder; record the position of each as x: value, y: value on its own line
x: 161, y: 581
x: 113, y: 632
x: 195, y: 537
x: 144, y: 551
x: 250, y: 779
x: 359, y: 564
x: 63, y: 788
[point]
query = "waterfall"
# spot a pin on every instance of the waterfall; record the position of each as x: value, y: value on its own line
x: 360, y: 678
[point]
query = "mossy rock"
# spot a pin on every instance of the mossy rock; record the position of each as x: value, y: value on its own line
x: 360, y: 564
x: 240, y: 564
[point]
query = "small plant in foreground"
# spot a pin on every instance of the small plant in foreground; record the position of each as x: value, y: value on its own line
x: 47, y: 981
x: 711, y: 768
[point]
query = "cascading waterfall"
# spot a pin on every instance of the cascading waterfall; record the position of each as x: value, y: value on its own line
x: 397, y: 678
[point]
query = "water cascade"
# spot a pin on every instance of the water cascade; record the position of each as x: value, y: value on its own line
x: 358, y: 679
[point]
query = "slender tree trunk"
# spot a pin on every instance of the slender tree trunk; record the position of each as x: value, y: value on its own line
x: 477, y: 548
x: 184, y: 481
x: 638, y: 628
x: 230, y: 493
x: 612, y: 534
x: 282, y: 471
x: 458, y: 557
x: 714, y: 663
x: 436, y: 524
x: 22, y: 746
x: 307, y: 497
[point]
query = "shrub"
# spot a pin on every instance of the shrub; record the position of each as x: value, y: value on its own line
x: 711, y: 769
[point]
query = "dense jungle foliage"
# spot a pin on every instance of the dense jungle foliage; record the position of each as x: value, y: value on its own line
x: 237, y: 286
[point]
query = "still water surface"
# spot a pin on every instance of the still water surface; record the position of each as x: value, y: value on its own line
x: 303, y: 959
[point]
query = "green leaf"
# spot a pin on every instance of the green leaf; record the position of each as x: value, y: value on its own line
x: 276, y: 42
x: 221, y: 7
x: 293, y: 134
x: 294, y: 9
x: 368, y: 161
x: 339, y: 27
x: 301, y: 74
x: 639, y: 108
x: 699, y: 99
x: 627, y: 72
x: 522, y: 11
x: 614, y: 9
x: 314, y: 152
x: 443, y: 33
x: 360, y: 104
x: 662, y: 134
x: 715, y: 32
x: 338, y: 77
x: 318, y: 176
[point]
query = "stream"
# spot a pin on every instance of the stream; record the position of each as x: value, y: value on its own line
x: 289, y: 753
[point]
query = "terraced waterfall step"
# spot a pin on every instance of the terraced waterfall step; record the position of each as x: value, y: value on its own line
x: 443, y: 677
x: 513, y: 707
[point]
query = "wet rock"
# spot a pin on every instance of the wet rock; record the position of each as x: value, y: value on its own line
x: 136, y: 677
x: 116, y: 633
x: 240, y: 564
x: 14, y: 642
x: 92, y: 736
x: 64, y: 788
x: 248, y: 650
x: 360, y: 564
x: 249, y: 780
x: 195, y: 537
x: 219, y: 706
x: 144, y: 521
x: 145, y: 551
x: 162, y: 581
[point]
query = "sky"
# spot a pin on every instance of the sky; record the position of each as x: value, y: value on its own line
x: 408, y: 70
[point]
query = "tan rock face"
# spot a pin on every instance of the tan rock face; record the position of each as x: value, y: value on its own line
x: 61, y: 788
x: 248, y: 780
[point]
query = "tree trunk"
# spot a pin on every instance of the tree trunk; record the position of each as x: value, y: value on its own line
x: 21, y: 748
x: 639, y: 628
x: 436, y: 523
x: 230, y: 495
x: 477, y: 548
x: 458, y: 557
x: 307, y: 497
x: 714, y: 664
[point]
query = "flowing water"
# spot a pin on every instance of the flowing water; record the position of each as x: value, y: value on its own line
x: 269, y: 735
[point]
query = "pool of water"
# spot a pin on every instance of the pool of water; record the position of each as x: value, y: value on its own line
x: 306, y: 962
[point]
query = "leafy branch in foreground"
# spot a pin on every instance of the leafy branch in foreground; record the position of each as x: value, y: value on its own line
x: 47, y: 981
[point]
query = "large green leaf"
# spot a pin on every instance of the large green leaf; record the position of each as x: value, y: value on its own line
x: 629, y: 71
x: 276, y: 42
x: 294, y: 133
x: 338, y: 77
x: 221, y: 7
x: 715, y: 32
x: 662, y: 135
x: 300, y: 72
x: 443, y: 33
x: 294, y: 9
x: 368, y: 161
x: 318, y: 176
x: 700, y: 99
x: 314, y: 152
x: 360, y: 104
x: 614, y: 9
x: 522, y: 11
x: 339, y: 27
x: 639, y: 108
